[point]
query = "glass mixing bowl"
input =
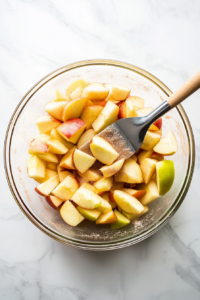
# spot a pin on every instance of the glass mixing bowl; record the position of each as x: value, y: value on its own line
x: 22, y: 127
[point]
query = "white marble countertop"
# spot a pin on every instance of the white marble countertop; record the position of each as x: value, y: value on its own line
x: 37, y: 37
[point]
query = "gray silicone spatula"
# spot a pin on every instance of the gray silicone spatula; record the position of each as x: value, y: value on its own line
x: 127, y: 135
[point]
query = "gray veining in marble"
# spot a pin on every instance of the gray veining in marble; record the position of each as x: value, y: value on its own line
x: 37, y: 37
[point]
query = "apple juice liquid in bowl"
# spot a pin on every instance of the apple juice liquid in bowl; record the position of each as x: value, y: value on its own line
x: 22, y: 127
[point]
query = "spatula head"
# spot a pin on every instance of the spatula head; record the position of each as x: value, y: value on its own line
x: 127, y: 135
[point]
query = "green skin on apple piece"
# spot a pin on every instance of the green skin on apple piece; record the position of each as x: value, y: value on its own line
x: 122, y: 220
x: 90, y: 215
x: 165, y: 174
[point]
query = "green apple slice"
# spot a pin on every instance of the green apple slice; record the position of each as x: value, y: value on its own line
x: 121, y: 220
x: 90, y: 215
x: 165, y: 173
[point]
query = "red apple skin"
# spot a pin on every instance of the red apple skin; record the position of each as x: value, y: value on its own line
x: 41, y: 144
x: 99, y: 102
x: 39, y: 192
x: 48, y: 199
x: 70, y: 127
x: 122, y: 111
x: 158, y: 123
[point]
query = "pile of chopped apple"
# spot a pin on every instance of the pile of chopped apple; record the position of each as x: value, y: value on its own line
x: 120, y: 190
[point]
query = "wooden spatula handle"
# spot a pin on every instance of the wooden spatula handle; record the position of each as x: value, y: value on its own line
x: 188, y: 88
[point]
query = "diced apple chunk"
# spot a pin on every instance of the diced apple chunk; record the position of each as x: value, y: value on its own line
x: 76, y: 93
x: 86, y: 198
x: 127, y: 202
x: 60, y: 96
x: 71, y: 130
x: 132, y: 217
x: 48, y: 186
x: 104, y: 184
x: 82, y: 161
x: 135, y: 193
x: 111, y: 170
x: 63, y: 173
x: 91, y: 175
x: 148, y: 168
x: 90, y: 114
x: 55, y: 135
x: 67, y: 160
x: 107, y: 218
x: 46, y: 123
x: 50, y: 157
x: 130, y: 106
x: 48, y: 175
x: 36, y: 168
x: 73, y: 109
x: 121, y: 220
x: 108, y: 116
x: 117, y: 92
x: 37, y: 146
x: 55, y: 109
x: 115, y: 186
x: 168, y: 145
x: 151, y: 192
x: 89, y: 214
x: 151, y: 139
x: 129, y: 173
x: 103, y: 151
x: 66, y: 189
x: 104, y: 206
x: 55, y: 146
x: 89, y: 187
x: 53, y: 201
x: 74, y: 84
x: 144, y: 154
x: 95, y: 91
x: 85, y: 137
x: 70, y: 214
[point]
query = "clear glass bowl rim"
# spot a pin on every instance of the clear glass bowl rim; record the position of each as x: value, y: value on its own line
x: 103, y: 245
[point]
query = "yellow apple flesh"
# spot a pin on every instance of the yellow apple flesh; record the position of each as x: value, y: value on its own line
x: 66, y: 189
x: 85, y: 137
x: 148, y: 168
x: 151, y: 139
x: 107, y: 218
x: 36, y: 168
x: 168, y: 145
x: 103, y: 151
x: 111, y: 170
x: 129, y: 173
x: 55, y: 109
x: 73, y: 109
x: 127, y: 202
x: 95, y: 91
x: 70, y: 214
x: 108, y: 116
x: 86, y: 198
x: 90, y: 114
x: 48, y: 186
x: 82, y: 161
